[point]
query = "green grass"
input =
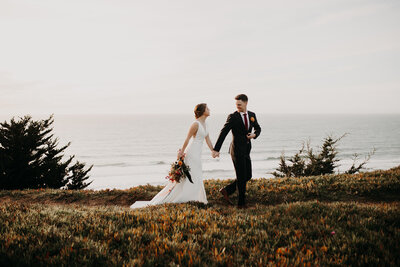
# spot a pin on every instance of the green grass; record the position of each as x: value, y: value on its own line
x: 324, y: 220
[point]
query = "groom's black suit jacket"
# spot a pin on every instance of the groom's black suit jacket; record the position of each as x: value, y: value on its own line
x: 240, y: 146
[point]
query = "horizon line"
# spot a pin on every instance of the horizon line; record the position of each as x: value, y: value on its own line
x: 176, y: 113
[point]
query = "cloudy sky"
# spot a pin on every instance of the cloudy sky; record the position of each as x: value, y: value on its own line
x: 128, y: 56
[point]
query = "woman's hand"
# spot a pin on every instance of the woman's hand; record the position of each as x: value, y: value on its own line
x: 215, y: 154
x: 181, y: 154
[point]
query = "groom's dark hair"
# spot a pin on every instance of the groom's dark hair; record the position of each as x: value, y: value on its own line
x: 242, y: 97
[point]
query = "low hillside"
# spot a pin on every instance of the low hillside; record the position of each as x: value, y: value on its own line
x: 324, y: 220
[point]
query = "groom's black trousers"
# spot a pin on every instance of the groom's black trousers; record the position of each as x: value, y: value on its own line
x: 242, y: 164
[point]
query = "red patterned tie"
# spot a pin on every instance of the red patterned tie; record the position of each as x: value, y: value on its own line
x: 246, y: 124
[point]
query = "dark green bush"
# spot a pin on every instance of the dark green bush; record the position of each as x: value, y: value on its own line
x: 29, y: 157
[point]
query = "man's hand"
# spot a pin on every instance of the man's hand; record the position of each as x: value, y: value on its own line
x: 251, y: 136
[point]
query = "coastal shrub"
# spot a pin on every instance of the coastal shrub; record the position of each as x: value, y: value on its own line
x: 30, y: 158
x: 307, y: 162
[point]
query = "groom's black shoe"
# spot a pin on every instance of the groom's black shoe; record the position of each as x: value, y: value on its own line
x: 242, y: 206
x: 225, y: 194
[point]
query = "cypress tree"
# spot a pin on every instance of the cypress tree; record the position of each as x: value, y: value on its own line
x: 29, y: 157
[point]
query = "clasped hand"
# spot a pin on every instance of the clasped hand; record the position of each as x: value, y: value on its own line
x: 214, y: 154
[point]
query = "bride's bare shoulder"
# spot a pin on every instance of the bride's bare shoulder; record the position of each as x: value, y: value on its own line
x: 194, y: 126
x: 193, y: 129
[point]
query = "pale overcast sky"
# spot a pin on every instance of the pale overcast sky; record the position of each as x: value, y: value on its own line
x: 116, y: 56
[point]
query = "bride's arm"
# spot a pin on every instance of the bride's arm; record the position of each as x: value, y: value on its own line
x: 192, y: 132
x: 209, y: 143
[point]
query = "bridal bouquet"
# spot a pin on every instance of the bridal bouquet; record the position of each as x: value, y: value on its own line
x: 179, y: 170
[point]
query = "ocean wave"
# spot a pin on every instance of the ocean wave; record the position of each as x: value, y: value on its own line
x: 265, y: 159
x: 160, y: 162
x: 117, y: 164
x: 136, y: 164
x: 271, y: 158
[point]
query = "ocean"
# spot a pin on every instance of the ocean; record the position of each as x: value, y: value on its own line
x: 132, y: 150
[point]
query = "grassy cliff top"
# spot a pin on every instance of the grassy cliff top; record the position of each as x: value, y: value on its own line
x: 325, y: 220
x: 373, y: 186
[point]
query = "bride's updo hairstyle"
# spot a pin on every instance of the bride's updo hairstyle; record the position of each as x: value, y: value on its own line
x: 199, y: 110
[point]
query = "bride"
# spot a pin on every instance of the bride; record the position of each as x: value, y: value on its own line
x: 185, y: 190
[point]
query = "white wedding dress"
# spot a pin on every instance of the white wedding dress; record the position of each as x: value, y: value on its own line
x: 184, y: 191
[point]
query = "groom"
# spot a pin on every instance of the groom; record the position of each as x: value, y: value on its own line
x: 241, y: 123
